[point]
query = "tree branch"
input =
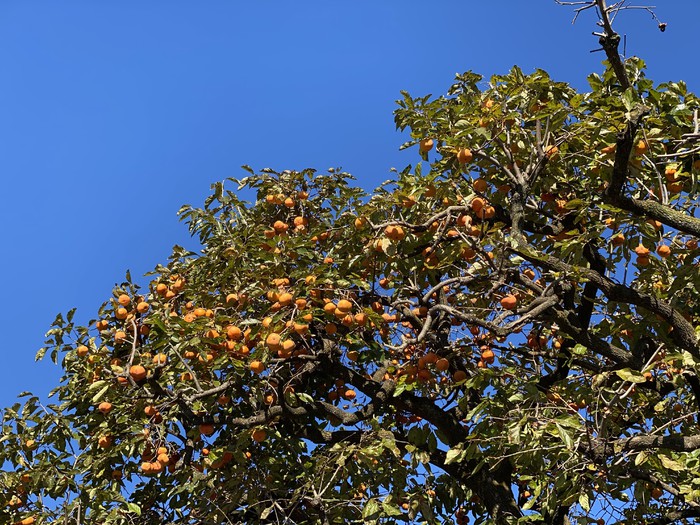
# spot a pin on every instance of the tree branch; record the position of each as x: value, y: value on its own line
x: 610, y: 41
x: 655, y: 210
x: 683, y: 333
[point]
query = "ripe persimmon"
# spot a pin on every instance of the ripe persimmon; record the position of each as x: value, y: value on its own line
x: 288, y: 345
x: 641, y: 147
x: 142, y: 307
x: 442, y: 364
x: 273, y: 341
x: 301, y: 328
x: 551, y: 152
x: 664, y: 250
x: 459, y: 375
x: 206, y: 429
x: 285, y: 299
x: 350, y: 394
x: 280, y: 227
x: 641, y: 250
x: 300, y: 303
x: 426, y: 145
x: 617, y: 240
x: 487, y: 356
x: 464, y: 156
x: 675, y: 187
x: 234, y: 333
x: 223, y: 399
x: 509, y: 302
x: 480, y: 185
x: 487, y: 212
x: 344, y: 305
x: 138, y: 373
x: 257, y: 367
x: 395, y: 233
x: 329, y: 308
x: 200, y: 312
x: 477, y: 204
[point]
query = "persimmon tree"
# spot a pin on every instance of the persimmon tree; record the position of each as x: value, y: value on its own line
x: 504, y: 333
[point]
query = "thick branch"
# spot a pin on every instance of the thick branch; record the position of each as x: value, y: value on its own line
x: 669, y: 442
x: 683, y: 333
x: 569, y: 325
x: 655, y: 210
x: 610, y: 42
x: 623, y: 150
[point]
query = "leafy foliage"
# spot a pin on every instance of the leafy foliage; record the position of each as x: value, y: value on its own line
x: 506, y: 333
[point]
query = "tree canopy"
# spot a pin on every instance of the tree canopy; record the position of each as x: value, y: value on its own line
x: 506, y: 332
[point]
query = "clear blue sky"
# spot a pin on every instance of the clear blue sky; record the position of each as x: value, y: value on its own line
x: 114, y: 113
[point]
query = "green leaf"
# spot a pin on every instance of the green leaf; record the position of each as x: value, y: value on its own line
x: 390, y: 510
x: 670, y: 463
x: 514, y: 433
x: 400, y: 388
x: 99, y: 394
x: 584, y: 501
x: 661, y: 406
x: 565, y: 437
x: 629, y: 98
x: 574, y: 204
x: 266, y: 513
x: 529, y: 503
x: 455, y: 455
x: 627, y: 374
x: 579, y: 349
x: 133, y: 507
x: 371, y: 509
x: 641, y: 458
x: 306, y: 398
x: 96, y: 385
